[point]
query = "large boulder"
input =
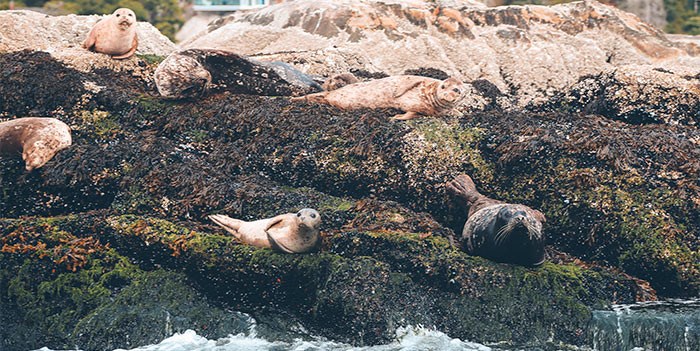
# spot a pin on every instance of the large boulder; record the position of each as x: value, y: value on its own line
x: 528, y: 52
x: 62, y: 37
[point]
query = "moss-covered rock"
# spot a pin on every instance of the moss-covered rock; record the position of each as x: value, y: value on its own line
x: 359, y: 289
x: 623, y: 194
x: 60, y: 287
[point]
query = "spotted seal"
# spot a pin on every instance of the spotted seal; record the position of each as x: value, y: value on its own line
x: 289, y: 232
x: 503, y: 232
x: 38, y: 139
x: 415, y: 95
x: 114, y: 35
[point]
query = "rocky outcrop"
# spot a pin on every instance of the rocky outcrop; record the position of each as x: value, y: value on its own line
x: 62, y: 37
x: 611, y: 160
x: 530, y: 53
x: 359, y: 289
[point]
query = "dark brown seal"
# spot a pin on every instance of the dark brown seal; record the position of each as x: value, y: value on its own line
x: 38, y: 139
x: 415, y: 95
x: 499, y: 231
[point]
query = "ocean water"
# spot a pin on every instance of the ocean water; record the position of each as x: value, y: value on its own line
x: 664, y: 326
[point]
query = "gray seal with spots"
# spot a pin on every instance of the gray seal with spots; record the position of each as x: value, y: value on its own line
x: 415, y: 95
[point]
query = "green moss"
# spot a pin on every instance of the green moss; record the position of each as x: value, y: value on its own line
x: 135, y: 199
x: 55, y: 302
x: 101, y: 123
x: 151, y: 59
x: 458, y: 140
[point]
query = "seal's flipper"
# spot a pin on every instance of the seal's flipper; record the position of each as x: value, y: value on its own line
x: 278, y: 228
x: 89, y: 43
x: 319, y: 98
x: 464, y: 188
x: 539, y: 216
x: 405, y: 116
x: 131, y: 51
x: 230, y: 224
x: 406, y: 86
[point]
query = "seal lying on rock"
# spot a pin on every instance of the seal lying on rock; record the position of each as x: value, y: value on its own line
x: 192, y: 73
x: 37, y: 138
x: 413, y: 94
x: 289, y: 232
x: 114, y: 35
x: 499, y: 231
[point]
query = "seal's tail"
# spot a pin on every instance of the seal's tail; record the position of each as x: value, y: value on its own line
x: 230, y: 224
x: 316, y: 97
x: 463, y: 187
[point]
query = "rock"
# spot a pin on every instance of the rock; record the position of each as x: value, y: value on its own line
x: 359, y: 290
x: 616, y: 178
x: 62, y: 36
x: 590, y: 175
x: 191, y: 73
x: 96, y: 298
x: 530, y: 53
x: 194, y: 26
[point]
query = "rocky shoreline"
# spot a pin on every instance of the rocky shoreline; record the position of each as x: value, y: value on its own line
x: 113, y: 231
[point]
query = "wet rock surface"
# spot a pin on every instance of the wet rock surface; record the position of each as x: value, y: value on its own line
x: 611, y: 160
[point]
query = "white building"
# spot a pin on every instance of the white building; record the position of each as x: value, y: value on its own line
x: 228, y: 5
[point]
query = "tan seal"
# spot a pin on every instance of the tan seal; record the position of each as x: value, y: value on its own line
x: 38, y: 139
x: 338, y: 81
x: 289, y: 232
x: 114, y: 35
x: 415, y: 95
x: 503, y: 232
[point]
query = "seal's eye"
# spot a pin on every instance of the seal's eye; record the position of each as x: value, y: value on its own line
x: 117, y: 15
x: 313, y: 215
x: 455, y: 90
x: 130, y: 15
x: 298, y: 214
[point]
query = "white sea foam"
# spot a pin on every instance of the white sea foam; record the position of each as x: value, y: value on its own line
x: 409, y: 338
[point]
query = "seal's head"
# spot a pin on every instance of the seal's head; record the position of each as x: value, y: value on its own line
x: 516, y: 222
x: 450, y: 90
x: 309, y: 218
x: 125, y: 18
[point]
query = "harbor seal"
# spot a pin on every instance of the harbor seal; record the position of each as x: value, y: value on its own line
x: 114, y: 35
x: 415, y: 95
x: 339, y: 80
x: 499, y: 231
x: 37, y: 138
x: 288, y: 233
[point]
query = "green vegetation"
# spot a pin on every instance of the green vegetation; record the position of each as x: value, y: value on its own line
x: 681, y: 17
